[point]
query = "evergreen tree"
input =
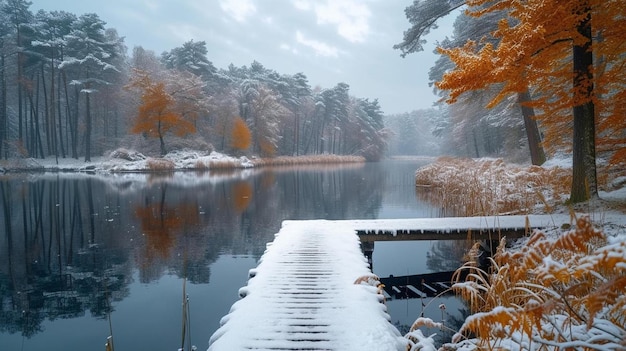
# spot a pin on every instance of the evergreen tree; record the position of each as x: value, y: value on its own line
x: 88, y: 59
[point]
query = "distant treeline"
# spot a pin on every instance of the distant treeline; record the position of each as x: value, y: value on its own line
x: 69, y: 88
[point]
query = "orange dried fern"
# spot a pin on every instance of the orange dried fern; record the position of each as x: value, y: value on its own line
x: 552, y: 291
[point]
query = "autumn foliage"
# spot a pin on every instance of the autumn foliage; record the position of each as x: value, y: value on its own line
x: 532, y: 49
x: 242, y: 195
x: 554, y: 293
x: 158, y: 113
x: 241, y: 138
x: 162, y: 224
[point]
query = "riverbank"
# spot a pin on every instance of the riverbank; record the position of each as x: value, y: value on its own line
x: 557, y: 289
x: 126, y: 161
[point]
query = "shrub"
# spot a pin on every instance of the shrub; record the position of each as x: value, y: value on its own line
x: 160, y: 164
x: 127, y: 155
x: 553, y: 293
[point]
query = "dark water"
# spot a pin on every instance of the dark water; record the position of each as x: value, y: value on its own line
x: 81, y: 255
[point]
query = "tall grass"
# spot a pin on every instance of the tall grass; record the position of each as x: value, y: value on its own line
x: 160, y: 164
x: 278, y: 161
x: 217, y: 164
x: 467, y: 187
x: 306, y: 160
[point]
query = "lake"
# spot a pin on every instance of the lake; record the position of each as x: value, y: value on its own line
x: 83, y: 255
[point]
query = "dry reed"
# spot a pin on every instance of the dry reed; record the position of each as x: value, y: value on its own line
x: 160, y: 164
x: 217, y: 164
x: 466, y: 187
x: 551, y: 293
x: 306, y: 160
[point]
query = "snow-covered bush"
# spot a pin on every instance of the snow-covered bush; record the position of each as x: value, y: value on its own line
x: 552, y: 294
x: 127, y: 155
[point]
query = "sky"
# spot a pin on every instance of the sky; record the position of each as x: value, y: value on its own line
x: 330, y: 41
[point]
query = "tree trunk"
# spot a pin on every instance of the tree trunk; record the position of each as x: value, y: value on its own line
x: 163, y: 149
x: 59, y: 118
x: 37, y: 142
x: 296, y: 134
x: 52, y: 113
x: 537, y: 154
x: 475, y: 140
x: 46, y: 112
x: 3, y: 108
x: 584, y: 180
x: 88, y: 127
x: 19, y: 90
x: 71, y: 124
x: 162, y: 143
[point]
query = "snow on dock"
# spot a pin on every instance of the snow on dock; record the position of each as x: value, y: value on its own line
x: 302, y: 296
x: 485, y: 227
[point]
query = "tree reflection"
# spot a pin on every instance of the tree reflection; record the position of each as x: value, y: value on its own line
x: 447, y: 255
x: 241, y: 195
x: 69, y: 246
x: 167, y: 226
x: 55, y: 266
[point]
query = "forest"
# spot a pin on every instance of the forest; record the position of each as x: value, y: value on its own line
x: 515, y: 78
x: 71, y: 88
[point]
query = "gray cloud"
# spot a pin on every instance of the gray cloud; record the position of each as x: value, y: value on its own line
x: 330, y: 41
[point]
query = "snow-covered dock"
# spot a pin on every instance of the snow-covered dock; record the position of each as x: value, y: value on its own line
x: 452, y: 228
x: 303, y: 296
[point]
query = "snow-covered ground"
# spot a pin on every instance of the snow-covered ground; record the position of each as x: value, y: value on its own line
x: 557, y: 316
x: 128, y: 161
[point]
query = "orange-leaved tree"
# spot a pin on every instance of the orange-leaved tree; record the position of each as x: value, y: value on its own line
x: 157, y: 114
x: 549, y: 46
x: 241, y: 138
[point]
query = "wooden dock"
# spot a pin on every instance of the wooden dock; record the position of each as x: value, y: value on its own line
x: 455, y: 228
x: 303, y: 296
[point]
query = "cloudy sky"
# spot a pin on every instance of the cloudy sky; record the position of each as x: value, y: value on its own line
x: 330, y: 41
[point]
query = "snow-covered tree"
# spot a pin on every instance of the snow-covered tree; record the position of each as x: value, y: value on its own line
x: 88, y: 60
x: 18, y: 17
x: 4, y: 52
x: 192, y: 57
x: 51, y: 33
x: 267, y: 115
x: 550, y: 47
x: 413, y: 133
x: 423, y: 16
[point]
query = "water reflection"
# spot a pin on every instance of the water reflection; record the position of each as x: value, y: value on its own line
x: 75, y: 249
x: 415, y: 258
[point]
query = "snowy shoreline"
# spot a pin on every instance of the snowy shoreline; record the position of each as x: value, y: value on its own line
x: 123, y: 161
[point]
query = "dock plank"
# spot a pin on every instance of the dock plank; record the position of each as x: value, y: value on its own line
x: 302, y: 296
